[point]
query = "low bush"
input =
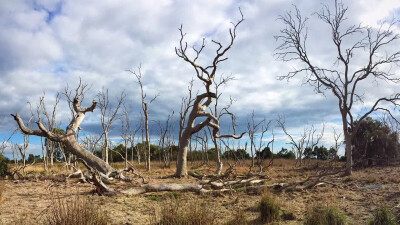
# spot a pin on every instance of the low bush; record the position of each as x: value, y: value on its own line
x: 192, y: 212
x: 3, y: 166
x: 320, y: 215
x: 77, y: 210
x: 383, y: 216
x: 269, y: 210
x: 239, y: 218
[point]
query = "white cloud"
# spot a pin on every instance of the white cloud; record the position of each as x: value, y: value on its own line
x: 48, y: 44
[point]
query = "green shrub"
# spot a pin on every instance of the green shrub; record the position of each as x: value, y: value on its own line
x: 321, y: 215
x: 3, y: 166
x: 269, y: 210
x: 383, y: 216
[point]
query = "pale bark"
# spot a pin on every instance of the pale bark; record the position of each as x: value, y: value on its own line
x: 205, y: 74
x: 69, y: 138
x: 343, y: 78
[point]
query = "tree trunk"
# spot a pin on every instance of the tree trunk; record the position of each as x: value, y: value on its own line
x: 146, y: 120
x: 105, y: 151
x: 347, y: 140
x: 126, y: 154
x: 181, y: 166
x: 218, y: 158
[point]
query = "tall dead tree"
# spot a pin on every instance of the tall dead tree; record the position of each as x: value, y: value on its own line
x: 51, y: 125
x: 108, y: 116
x: 125, y: 129
x: 202, y: 101
x: 145, y: 104
x: 256, y: 132
x: 220, y: 113
x: 345, y: 75
x: 307, y: 139
x: 69, y: 138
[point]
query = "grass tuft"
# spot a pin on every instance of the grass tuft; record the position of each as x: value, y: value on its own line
x: 383, y: 216
x: 77, y: 210
x: 269, y: 210
x: 320, y: 215
x: 192, y: 212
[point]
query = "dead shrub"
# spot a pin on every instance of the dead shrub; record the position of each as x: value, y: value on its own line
x: 269, y: 210
x: 321, y: 215
x: 191, y: 212
x: 76, y: 210
x: 1, y: 191
x: 239, y: 218
x: 382, y: 216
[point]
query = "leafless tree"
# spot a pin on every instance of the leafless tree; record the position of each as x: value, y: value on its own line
x: 224, y: 111
x: 125, y: 129
x: 51, y: 124
x: 165, y: 140
x: 145, y: 104
x: 69, y: 138
x: 344, y: 77
x: 256, y: 132
x: 205, y: 74
x: 108, y: 116
x: 308, y: 139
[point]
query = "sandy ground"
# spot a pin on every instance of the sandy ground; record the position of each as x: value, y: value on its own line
x: 27, y: 202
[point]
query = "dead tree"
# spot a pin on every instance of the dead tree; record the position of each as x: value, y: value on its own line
x: 308, y: 139
x: 145, y: 104
x: 108, y: 115
x: 51, y: 124
x: 257, y: 130
x: 69, y: 138
x: 165, y: 140
x: 125, y: 129
x: 202, y: 101
x: 131, y: 138
x: 344, y: 77
x: 224, y: 111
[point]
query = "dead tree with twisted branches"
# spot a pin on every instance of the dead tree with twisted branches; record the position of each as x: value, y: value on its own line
x: 205, y: 74
x: 69, y: 139
x: 345, y: 75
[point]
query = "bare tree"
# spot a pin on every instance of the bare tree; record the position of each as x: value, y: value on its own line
x: 108, y: 115
x: 125, y: 129
x: 69, y: 138
x: 165, y: 140
x: 224, y: 111
x: 206, y: 75
x: 257, y: 130
x: 145, y: 104
x: 344, y: 77
x: 308, y: 139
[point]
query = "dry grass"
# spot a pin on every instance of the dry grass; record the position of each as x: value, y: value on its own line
x: 321, y: 215
x: 76, y: 210
x: 269, y: 210
x: 383, y: 216
x: 1, y: 191
x: 31, y: 196
x: 191, y: 212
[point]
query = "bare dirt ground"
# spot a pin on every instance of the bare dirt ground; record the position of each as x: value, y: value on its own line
x: 27, y: 202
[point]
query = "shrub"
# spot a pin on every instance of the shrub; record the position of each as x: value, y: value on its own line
x: 192, y: 212
x: 382, y: 216
x: 3, y: 166
x: 239, y: 218
x: 321, y: 215
x: 77, y: 210
x: 269, y: 210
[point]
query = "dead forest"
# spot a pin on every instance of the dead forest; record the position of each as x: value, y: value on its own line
x: 204, y: 165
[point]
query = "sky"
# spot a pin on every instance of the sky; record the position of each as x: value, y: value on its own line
x: 48, y: 44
